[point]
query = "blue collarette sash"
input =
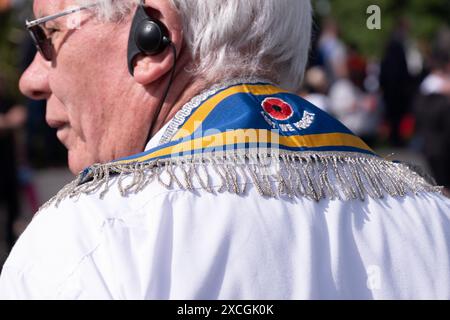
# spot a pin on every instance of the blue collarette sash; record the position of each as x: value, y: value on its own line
x: 249, y: 117
x: 318, y: 156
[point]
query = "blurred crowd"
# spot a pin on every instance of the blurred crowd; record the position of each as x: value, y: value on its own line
x: 26, y: 142
x: 400, y: 100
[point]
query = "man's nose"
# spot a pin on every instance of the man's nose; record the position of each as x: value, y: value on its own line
x: 34, y: 81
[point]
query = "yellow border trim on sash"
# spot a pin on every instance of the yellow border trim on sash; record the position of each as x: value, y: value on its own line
x: 258, y: 136
x: 205, y: 109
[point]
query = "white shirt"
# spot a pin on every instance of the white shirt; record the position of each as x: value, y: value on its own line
x: 177, y: 244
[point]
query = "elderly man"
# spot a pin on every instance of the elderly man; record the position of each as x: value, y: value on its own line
x: 208, y: 179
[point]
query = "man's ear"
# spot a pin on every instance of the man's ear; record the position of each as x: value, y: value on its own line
x: 148, y: 69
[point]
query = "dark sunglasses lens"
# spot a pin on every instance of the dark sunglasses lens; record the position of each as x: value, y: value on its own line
x: 43, y: 44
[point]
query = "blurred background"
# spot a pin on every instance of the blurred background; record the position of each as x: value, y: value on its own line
x: 385, y: 74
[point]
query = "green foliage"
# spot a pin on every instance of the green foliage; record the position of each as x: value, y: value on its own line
x: 9, y: 53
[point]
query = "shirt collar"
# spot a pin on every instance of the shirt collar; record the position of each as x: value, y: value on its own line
x: 156, y: 139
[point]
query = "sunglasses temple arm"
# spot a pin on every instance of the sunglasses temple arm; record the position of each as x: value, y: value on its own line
x: 36, y: 22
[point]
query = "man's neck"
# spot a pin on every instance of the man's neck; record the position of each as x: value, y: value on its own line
x: 181, y: 92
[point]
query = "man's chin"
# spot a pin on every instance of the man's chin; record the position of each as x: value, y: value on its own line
x: 77, y: 164
x: 75, y: 169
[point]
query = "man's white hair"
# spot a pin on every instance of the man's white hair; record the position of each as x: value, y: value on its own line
x: 238, y: 38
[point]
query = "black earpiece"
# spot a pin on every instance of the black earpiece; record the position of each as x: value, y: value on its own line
x: 147, y: 36
x: 150, y: 37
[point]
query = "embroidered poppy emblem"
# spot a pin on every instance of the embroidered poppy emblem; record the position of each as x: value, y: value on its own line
x: 277, y: 109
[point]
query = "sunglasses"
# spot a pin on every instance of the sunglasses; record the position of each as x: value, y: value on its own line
x: 40, y: 38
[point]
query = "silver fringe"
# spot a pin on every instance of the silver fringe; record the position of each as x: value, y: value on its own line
x: 336, y: 175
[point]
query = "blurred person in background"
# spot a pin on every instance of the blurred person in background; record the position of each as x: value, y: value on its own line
x: 433, y: 110
x: 315, y: 88
x: 332, y: 50
x: 18, y: 180
x: 350, y: 103
x: 396, y: 80
x: 438, y: 81
x: 12, y: 117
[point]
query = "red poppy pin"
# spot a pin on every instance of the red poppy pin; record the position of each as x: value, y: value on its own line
x: 277, y: 109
